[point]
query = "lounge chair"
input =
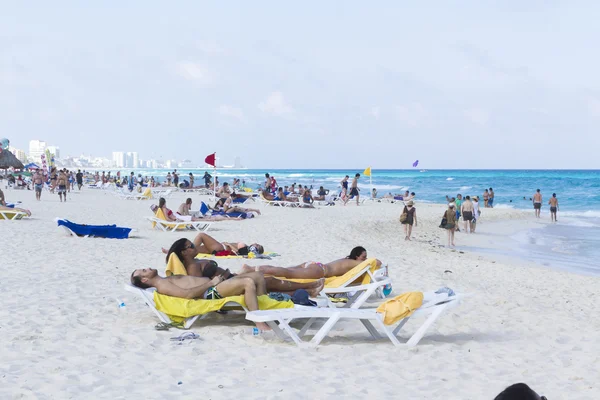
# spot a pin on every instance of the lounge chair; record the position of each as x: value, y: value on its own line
x: 11, y: 215
x: 97, y: 185
x: 184, y: 312
x: 277, y: 202
x: 361, y: 282
x: 159, y: 221
x: 372, y: 319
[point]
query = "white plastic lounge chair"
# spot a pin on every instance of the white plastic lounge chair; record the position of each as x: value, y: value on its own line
x: 174, y: 226
x: 279, y: 320
x: 359, y: 294
x: 10, y: 215
x: 277, y: 202
x: 97, y: 185
x: 148, y: 296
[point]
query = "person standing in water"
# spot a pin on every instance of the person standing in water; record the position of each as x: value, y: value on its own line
x: 553, y: 207
x: 537, y: 203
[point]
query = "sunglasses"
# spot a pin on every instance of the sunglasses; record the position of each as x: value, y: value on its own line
x: 191, y: 246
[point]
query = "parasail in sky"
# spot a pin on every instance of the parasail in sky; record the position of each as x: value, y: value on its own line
x: 415, y: 163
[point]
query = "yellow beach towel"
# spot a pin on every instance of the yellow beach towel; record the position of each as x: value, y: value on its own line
x: 160, y: 215
x: 400, y: 307
x: 337, y: 281
x: 178, y: 309
x: 175, y: 266
x: 147, y: 193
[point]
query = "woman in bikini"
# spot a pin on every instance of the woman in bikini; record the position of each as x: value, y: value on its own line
x: 206, y: 244
x: 313, y: 269
x: 186, y: 251
x: 169, y: 215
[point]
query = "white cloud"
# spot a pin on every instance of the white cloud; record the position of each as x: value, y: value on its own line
x: 375, y: 112
x: 477, y: 116
x: 411, y: 114
x: 275, y: 104
x: 195, y: 72
x: 231, y: 112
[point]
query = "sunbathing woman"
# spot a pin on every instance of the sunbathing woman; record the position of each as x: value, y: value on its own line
x: 313, y: 269
x: 206, y: 244
x: 186, y: 251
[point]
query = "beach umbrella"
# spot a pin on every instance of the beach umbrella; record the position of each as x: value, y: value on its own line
x: 8, y: 160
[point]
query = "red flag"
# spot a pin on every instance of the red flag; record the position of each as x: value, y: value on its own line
x: 210, y: 159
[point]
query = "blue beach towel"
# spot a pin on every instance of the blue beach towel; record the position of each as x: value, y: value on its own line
x: 102, y: 231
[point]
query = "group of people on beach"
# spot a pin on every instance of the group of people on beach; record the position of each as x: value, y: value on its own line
x: 466, y: 208
x: 537, y: 205
x: 205, y: 279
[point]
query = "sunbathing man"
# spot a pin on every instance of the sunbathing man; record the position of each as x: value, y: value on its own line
x: 193, y: 287
x: 187, y: 252
x: 206, y: 244
x: 313, y: 269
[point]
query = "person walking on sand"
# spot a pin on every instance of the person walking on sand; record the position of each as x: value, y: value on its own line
x: 450, y: 223
x: 537, y: 203
x: 38, y: 184
x: 62, y: 182
x: 354, y: 190
x: 411, y: 218
x: 467, y: 211
x: 486, y: 198
x: 553, y: 207
x: 476, y: 213
x: 491, y: 199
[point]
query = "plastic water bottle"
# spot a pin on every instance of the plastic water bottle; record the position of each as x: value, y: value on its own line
x: 254, y: 331
x: 387, y: 289
x: 120, y: 303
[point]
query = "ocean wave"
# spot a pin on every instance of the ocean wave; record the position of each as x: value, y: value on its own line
x: 504, y: 206
x: 295, y: 175
x: 449, y: 179
x: 386, y: 187
x: 466, y: 187
x: 587, y: 214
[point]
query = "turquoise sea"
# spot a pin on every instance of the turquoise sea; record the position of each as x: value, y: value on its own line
x: 573, y: 243
x: 578, y: 191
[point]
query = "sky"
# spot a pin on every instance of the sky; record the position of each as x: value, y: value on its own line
x: 311, y: 84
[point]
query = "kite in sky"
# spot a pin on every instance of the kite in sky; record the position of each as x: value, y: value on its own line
x: 415, y: 163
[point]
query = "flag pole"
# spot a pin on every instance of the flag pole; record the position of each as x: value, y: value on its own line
x: 215, y: 179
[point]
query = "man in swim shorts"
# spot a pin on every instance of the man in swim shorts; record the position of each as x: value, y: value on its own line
x: 537, y: 203
x: 38, y: 184
x: 62, y: 181
x: 491, y: 198
x: 354, y: 190
x: 553, y: 207
x: 193, y: 287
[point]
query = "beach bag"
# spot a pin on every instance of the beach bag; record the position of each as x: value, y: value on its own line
x: 444, y: 222
x: 404, y: 215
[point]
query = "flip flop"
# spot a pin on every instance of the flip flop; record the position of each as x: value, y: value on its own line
x: 185, y: 336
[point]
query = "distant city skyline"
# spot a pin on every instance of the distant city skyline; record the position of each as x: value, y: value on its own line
x: 491, y: 85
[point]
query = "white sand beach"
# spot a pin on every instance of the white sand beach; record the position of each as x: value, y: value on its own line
x: 64, y: 336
